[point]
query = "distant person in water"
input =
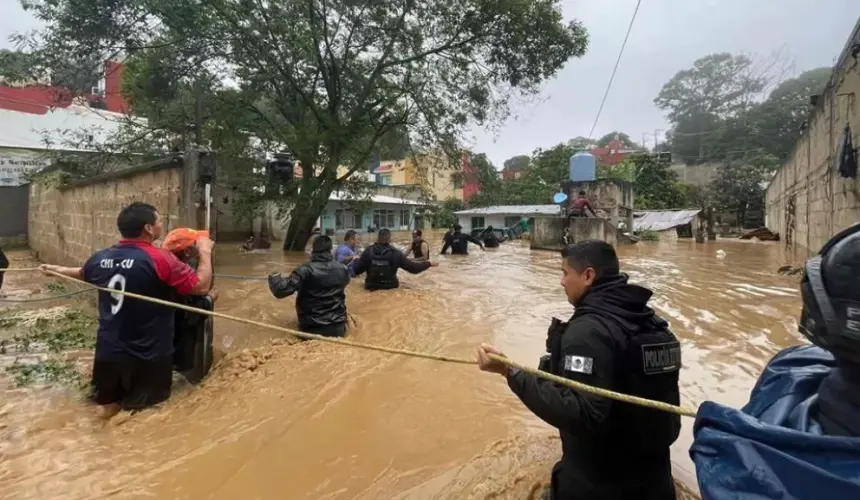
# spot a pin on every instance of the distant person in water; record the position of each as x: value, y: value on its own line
x: 579, y: 205
x: 459, y: 242
x: 420, y: 249
x: 345, y: 252
x: 320, y: 285
x: 490, y: 238
x: 4, y: 264
x: 381, y: 261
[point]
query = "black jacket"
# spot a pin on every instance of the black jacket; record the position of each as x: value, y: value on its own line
x: 459, y: 243
x: 610, y: 450
x: 381, y: 263
x: 320, y: 285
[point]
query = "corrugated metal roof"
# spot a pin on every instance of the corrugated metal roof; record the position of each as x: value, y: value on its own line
x: 379, y: 198
x: 661, y: 220
x: 26, y: 130
x: 513, y: 210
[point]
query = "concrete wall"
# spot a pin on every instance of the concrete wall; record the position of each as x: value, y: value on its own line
x: 606, y: 195
x: 547, y: 233
x: 808, y: 201
x: 68, y: 224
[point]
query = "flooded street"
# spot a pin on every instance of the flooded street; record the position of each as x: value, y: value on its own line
x: 310, y: 420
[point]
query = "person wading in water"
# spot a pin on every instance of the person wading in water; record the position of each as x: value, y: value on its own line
x: 381, y: 261
x: 420, y: 249
x: 192, y: 338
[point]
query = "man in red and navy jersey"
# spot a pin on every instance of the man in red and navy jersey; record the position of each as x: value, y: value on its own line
x: 134, y: 345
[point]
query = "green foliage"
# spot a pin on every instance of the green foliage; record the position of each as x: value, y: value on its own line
x: 77, y: 75
x: 625, y: 171
x: 330, y: 81
x: 655, y: 186
x: 442, y: 215
x: 740, y: 184
x: 648, y: 235
x: 604, y: 141
x: 517, y: 162
x: 45, y: 335
x: 720, y: 108
x: 492, y: 190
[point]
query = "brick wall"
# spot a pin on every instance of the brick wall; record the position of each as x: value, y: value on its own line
x: 808, y: 201
x: 66, y: 225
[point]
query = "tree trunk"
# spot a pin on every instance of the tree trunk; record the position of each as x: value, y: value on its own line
x: 299, y: 232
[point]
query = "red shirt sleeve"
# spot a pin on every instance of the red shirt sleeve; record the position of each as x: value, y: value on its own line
x: 174, y: 272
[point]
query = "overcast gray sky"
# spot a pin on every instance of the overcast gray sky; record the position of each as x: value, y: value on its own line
x: 668, y: 36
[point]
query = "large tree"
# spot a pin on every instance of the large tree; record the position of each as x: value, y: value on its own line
x: 519, y: 161
x: 491, y: 187
x: 739, y: 185
x: 624, y: 138
x: 327, y: 80
x: 655, y: 186
x: 778, y: 120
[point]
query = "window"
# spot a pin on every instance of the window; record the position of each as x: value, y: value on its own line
x: 404, y: 217
x: 512, y: 220
x: 477, y: 222
x: 457, y: 180
x: 386, y: 180
x: 347, y: 219
x: 383, y: 218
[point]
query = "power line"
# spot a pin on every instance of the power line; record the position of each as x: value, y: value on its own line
x: 617, y: 62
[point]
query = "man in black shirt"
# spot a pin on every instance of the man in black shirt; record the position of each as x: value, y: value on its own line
x: 381, y: 261
x: 610, y: 450
x: 459, y: 242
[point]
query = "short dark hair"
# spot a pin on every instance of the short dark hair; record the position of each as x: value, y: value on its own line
x: 349, y: 235
x: 582, y: 193
x: 458, y: 227
x: 134, y: 217
x: 596, y: 254
x: 417, y: 232
x: 321, y: 244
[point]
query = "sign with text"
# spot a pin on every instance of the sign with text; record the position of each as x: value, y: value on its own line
x: 15, y: 166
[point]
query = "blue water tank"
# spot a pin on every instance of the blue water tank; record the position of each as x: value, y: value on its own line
x: 583, y: 167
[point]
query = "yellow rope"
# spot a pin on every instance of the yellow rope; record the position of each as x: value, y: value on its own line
x: 578, y: 386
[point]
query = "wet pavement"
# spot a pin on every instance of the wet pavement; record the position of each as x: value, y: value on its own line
x: 278, y: 419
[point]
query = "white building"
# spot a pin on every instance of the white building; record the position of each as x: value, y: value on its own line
x: 502, y: 216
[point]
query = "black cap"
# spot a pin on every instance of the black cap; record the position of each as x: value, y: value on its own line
x: 831, y: 297
x: 457, y: 227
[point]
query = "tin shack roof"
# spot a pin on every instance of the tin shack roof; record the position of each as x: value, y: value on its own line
x: 513, y: 210
x: 661, y: 220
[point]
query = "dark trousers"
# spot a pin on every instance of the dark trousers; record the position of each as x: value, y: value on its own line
x: 338, y: 330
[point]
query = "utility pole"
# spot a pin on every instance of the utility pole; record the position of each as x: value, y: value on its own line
x: 656, y: 137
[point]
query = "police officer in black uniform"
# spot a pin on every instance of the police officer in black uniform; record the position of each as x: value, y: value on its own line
x: 459, y: 242
x: 381, y: 261
x: 610, y: 450
x: 831, y: 320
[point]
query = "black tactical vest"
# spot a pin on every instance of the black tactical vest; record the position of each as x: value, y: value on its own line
x: 416, y: 249
x: 459, y: 244
x: 647, y: 366
x: 382, y: 271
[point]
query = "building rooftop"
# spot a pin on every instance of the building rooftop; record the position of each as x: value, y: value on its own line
x: 513, y: 210
x: 60, y: 126
x: 661, y: 220
x: 379, y: 198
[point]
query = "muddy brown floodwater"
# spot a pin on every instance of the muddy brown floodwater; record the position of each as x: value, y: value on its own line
x: 317, y: 421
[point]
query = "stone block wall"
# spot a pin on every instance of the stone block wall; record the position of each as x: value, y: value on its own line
x: 67, y: 224
x: 807, y: 201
